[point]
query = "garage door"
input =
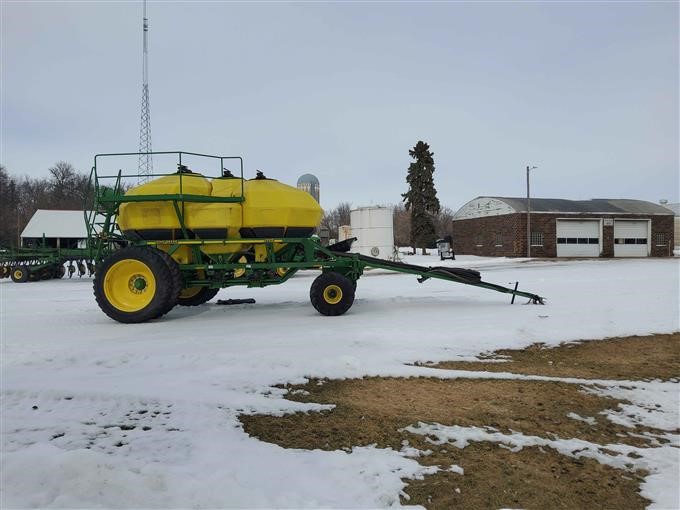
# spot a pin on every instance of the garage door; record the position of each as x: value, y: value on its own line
x: 631, y: 238
x: 578, y: 238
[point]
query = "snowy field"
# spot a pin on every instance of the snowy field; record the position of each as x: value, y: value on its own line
x: 101, y: 414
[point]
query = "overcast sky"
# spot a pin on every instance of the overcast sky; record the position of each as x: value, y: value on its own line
x: 588, y: 92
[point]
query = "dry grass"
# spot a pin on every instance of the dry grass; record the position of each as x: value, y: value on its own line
x: 375, y: 410
x: 633, y: 357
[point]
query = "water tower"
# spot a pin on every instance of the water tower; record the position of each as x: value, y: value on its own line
x: 310, y: 184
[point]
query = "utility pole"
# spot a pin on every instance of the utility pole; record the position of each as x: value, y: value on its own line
x: 145, y: 164
x: 529, y: 212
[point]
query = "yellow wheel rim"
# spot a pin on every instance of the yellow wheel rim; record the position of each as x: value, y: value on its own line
x: 129, y: 285
x: 332, y: 294
x: 241, y: 271
x: 281, y: 271
x: 189, y: 292
x: 18, y: 274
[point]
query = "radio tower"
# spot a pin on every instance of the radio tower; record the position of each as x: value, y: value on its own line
x: 145, y: 166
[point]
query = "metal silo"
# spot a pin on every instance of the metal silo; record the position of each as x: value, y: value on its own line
x: 310, y: 184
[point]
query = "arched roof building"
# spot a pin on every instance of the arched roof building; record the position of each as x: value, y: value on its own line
x: 497, y: 226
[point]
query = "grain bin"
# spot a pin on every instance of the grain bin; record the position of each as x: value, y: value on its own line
x: 310, y: 184
x: 374, y: 230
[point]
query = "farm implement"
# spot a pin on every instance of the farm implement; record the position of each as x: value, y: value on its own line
x: 183, y: 236
x: 44, y: 263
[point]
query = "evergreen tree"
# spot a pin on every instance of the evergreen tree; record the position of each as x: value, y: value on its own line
x: 421, y: 197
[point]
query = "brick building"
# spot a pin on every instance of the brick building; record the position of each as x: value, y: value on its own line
x: 497, y: 226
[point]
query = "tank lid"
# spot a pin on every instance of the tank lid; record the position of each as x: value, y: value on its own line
x: 259, y: 176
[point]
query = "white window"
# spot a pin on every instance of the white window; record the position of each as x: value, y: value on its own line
x: 537, y: 239
x: 499, y: 239
x: 660, y: 239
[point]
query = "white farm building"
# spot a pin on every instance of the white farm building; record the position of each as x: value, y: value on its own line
x: 59, y: 229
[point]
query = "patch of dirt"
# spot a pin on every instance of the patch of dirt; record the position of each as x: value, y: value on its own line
x: 633, y: 357
x: 375, y: 411
x: 531, y: 478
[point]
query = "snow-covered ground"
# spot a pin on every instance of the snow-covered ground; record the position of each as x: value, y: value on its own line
x: 101, y: 414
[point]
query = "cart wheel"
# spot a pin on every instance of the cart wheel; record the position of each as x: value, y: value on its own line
x: 60, y: 271
x: 194, y: 296
x: 176, y: 280
x: 332, y: 293
x: 20, y: 274
x: 133, y: 285
x: 4, y: 271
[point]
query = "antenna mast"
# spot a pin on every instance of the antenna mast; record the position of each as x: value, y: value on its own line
x: 145, y: 166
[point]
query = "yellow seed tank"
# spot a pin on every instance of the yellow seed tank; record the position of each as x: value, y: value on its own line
x: 270, y: 209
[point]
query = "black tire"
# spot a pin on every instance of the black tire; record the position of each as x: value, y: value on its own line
x: 20, y: 274
x: 176, y: 281
x: 201, y: 296
x: 127, y: 301
x: 332, y: 293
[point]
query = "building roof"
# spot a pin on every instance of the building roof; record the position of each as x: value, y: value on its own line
x: 596, y: 205
x: 673, y: 207
x: 494, y: 206
x: 53, y: 224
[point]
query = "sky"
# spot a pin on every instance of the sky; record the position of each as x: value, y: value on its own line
x: 585, y: 91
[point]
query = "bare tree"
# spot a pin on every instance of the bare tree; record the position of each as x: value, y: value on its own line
x: 334, y: 218
x: 343, y: 211
x: 443, y: 222
x: 402, y: 225
x: 62, y: 185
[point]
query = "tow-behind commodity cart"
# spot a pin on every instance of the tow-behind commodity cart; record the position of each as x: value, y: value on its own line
x: 185, y: 236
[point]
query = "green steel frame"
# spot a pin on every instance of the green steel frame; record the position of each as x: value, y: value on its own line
x: 37, y: 260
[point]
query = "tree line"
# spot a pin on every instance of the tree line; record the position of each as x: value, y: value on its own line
x: 64, y: 189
